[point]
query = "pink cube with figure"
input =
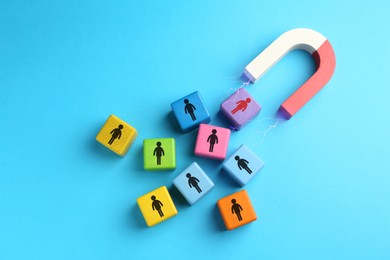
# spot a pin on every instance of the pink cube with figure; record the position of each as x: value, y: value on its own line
x: 212, y: 142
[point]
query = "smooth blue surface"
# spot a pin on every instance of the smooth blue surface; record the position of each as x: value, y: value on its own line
x: 66, y: 65
x: 241, y: 174
x: 191, y: 193
x: 183, y: 115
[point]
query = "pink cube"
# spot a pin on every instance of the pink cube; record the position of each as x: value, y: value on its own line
x: 212, y: 142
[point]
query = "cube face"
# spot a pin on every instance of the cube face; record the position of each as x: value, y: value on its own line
x: 159, y: 154
x: 156, y: 206
x: 236, y: 210
x: 190, y: 111
x: 116, y: 135
x: 240, y: 108
x: 212, y: 142
x: 193, y: 183
x: 243, y: 165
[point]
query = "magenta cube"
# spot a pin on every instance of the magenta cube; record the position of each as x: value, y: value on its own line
x: 212, y: 142
x: 240, y: 108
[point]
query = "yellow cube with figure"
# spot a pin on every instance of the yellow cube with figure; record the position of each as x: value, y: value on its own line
x: 117, y: 135
x: 156, y: 206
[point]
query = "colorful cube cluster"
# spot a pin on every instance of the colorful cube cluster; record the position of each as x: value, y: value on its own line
x: 211, y: 142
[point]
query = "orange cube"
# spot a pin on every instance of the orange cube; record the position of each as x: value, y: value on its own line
x: 236, y: 210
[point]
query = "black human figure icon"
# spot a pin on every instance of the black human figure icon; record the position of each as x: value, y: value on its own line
x: 156, y: 205
x: 193, y: 182
x: 212, y: 139
x: 115, y: 133
x: 158, y: 152
x: 189, y: 109
x: 236, y: 209
x: 242, y: 164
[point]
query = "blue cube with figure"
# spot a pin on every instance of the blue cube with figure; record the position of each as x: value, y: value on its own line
x: 190, y: 112
x: 193, y: 183
x: 243, y: 165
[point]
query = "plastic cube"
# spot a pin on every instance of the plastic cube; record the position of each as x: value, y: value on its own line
x: 240, y: 108
x: 236, y: 210
x: 212, y: 142
x: 159, y: 154
x: 190, y: 111
x: 156, y: 206
x: 117, y: 135
x: 243, y: 165
x: 193, y: 183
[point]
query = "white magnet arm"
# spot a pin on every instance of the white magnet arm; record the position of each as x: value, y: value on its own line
x: 301, y: 38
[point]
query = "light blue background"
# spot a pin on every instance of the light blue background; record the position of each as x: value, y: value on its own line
x: 66, y: 65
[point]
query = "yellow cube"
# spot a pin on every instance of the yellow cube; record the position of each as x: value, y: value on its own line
x: 117, y: 135
x: 157, y: 206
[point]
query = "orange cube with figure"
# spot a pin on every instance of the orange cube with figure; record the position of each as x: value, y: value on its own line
x: 236, y: 210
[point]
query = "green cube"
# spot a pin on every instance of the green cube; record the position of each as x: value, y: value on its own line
x: 159, y: 154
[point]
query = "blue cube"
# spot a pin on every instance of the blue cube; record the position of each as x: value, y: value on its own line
x: 190, y: 112
x: 243, y: 165
x: 193, y: 183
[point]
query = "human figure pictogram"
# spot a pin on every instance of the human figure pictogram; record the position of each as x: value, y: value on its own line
x: 212, y: 139
x: 242, y: 164
x: 156, y: 205
x: 189, y: 109
x: 193, y: 182
x: 115, y: 133
x: 158, y: 152
x: 236, y: 209
x: 241, y: 105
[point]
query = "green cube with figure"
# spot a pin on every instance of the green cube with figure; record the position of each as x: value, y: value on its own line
x: 159, y: 154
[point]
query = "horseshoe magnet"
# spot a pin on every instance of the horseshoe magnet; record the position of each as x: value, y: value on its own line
x: 306, y: 39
